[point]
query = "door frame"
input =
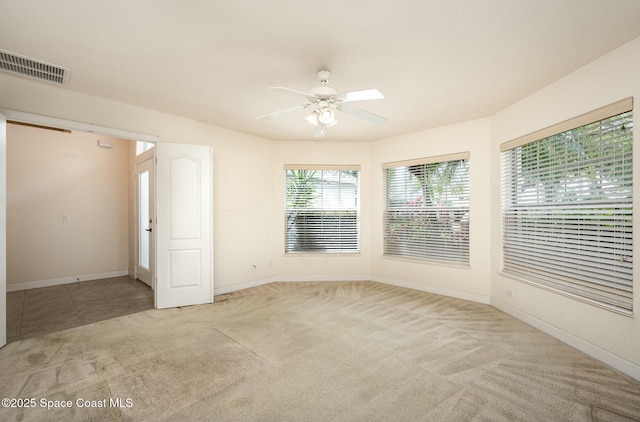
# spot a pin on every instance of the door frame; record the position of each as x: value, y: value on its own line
x: 22, y: 117
x: 147, y: 156
x: 3, y: 228
x: 35, y: 119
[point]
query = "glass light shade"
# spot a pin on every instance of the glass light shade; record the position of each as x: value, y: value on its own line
x: 313, y: 118
x: 326, y: 116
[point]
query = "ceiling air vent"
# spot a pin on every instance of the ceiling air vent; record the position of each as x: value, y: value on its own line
x: 35, y: 69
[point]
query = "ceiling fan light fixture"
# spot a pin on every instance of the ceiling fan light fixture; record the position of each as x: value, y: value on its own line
x: 326, y: 116
x: 313, y: 118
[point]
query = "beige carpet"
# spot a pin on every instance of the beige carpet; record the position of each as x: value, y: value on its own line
x: 314, y: 352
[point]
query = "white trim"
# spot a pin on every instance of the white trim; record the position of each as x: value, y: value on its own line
x: 423, y: 261
x: 306, y: 278
x: 26, y: 285
x: 36, y: 119
x: 610, y: 308
x: 149, y: 154
x: 320, y: 278
x: 288, y: 279
x: 241, y: 286
x: 592, y: 350
x: 3, y: 230
x: 322, y: 167
x: 427, y: 160
x: 601, y: 113
x: 473, y: 297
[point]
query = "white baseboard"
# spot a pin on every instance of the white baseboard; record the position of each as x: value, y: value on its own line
x: 394, y: 282
x: 592, y: 350
x: 241, y: 286
x: 434, y: 289
x: 13, y: 287
x: 287, y: 279
x: 306, y: 278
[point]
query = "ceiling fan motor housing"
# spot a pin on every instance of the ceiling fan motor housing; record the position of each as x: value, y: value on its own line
x: 324, y: 75
x: 324, y: 92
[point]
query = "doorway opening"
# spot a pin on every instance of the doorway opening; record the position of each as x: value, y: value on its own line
x: 69, y: 243
x: 181, y: 248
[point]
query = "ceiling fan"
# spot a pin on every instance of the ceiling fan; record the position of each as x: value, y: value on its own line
x: 323, y: 100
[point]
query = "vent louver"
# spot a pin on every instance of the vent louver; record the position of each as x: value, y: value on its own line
x: 24, y: 66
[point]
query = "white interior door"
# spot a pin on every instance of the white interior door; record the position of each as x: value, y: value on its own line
x: 184, y: 238
x: 145, y: 210
x: 3, y: 230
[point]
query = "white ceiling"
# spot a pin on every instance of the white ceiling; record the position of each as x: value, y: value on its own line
x: 436, y: 61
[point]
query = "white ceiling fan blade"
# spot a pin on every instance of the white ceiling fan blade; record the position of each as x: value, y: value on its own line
x: 362, y: 114
x: 284, y: 111
x: 293, y: 91
x: 361, y: 95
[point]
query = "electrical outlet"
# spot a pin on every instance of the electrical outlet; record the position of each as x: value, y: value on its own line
x: 66, y: 218
x: 509, y: 292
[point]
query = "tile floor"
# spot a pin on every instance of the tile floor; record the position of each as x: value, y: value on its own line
x: 47, y: 309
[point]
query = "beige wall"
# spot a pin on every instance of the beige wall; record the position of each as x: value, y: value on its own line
x: 320, y: 266
x: 609, y: 79
x: 472, y: 282
x: 243, y: 199
x: 50, y: 174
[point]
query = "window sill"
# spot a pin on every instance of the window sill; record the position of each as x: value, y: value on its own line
x: 319, y: 254
x: 588, y: 301
x: 427, y: 262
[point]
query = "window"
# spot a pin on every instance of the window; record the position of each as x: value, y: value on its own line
x: 322, y: 209
x: 567, y: 207
x: 426, y: 213
x: 142, y: 146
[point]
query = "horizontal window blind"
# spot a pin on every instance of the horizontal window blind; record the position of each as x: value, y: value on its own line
x: 568, y: 214
x: 322, y: 209
x: 426, y: 210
